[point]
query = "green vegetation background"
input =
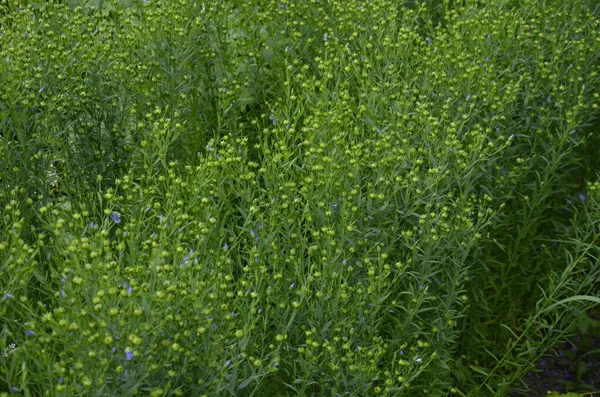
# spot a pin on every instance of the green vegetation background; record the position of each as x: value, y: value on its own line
x: 294, y: 197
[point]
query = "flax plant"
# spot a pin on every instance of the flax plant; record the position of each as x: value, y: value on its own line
x: 248, y: 198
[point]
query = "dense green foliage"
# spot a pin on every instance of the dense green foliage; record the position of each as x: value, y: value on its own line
x: 251, y: 198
